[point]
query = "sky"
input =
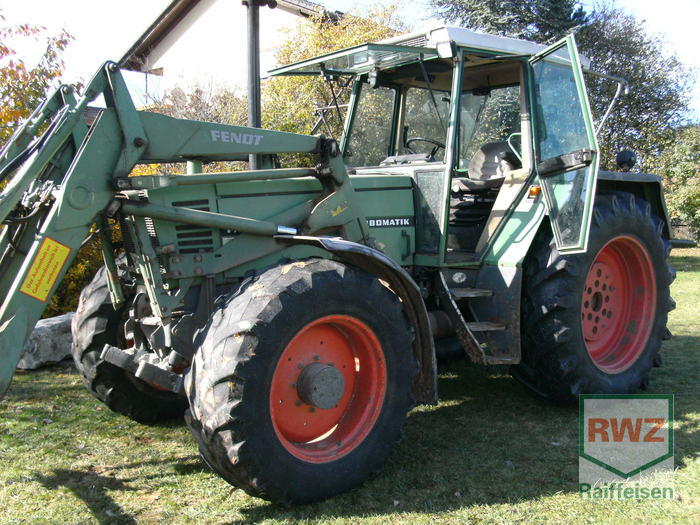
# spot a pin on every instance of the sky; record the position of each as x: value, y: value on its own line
x: 104, y: 30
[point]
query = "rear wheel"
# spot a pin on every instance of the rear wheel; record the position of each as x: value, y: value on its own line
x: 594, y: 322
x: 95, y: 324
x: 302, y: 381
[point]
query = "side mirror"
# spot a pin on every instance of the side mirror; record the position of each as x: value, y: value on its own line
x: 626, y: 160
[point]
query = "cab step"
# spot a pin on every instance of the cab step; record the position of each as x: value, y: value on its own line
x: 464, y: 293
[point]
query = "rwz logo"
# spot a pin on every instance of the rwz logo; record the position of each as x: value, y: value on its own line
x: 622, y: 437
x: 604, y: 429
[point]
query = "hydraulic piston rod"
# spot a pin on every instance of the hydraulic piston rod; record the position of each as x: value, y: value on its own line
x: 204, y: 218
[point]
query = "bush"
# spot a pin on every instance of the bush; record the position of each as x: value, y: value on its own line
x: 679, y: 165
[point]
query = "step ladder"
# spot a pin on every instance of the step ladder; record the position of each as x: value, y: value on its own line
x: 450, y: 301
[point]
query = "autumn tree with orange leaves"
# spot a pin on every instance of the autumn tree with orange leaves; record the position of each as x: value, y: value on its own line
x: 23, y: 86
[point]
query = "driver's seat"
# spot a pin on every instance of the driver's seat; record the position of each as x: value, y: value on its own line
x: 488, y: 168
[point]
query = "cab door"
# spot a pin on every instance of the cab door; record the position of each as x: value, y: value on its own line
x: 566, y: 149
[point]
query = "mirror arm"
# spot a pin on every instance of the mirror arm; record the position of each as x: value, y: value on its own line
x: 621, y: 84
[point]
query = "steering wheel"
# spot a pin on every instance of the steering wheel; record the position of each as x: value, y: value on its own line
x: 436, y: 145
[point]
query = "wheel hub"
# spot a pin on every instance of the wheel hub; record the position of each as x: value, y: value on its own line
x: 321, y: 385
x: 328, y: 388
x: 600, y: 301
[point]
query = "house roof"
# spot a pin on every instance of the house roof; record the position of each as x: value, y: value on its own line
x: 181, y: 14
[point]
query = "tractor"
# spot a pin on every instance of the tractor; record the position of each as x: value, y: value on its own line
x: 292, y: 314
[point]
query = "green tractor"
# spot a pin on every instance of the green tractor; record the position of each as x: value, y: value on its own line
x: 292, y: 313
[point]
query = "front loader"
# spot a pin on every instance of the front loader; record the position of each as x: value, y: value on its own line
x: 292, y: 313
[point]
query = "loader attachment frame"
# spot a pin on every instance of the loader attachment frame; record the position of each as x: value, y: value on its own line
x: 64, y: 175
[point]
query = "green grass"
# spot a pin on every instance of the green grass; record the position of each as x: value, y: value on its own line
x: 488, y: 453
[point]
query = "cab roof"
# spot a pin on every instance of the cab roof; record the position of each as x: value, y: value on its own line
x: 426, y: 44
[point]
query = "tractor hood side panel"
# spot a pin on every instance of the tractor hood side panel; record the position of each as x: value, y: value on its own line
x: 386, y: 201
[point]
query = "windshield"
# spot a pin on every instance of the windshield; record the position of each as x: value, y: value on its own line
x: 423, y: 121
x: 370, y: 138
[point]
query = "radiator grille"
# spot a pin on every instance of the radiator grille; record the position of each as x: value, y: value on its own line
x: 194, y: 239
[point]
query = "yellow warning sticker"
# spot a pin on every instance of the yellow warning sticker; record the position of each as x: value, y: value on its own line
x: 45, y: 269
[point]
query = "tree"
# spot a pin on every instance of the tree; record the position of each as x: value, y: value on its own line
x: 205, y: 102
x: 289, y: 102
x: 679, y: 165
x: 23, y: 87
x: 538, y: 20
x: 617, y: 44
x: 644, y: 120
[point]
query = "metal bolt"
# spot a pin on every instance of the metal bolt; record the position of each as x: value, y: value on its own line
x: 163, y: 309
x: 139, y: 141
x: 197, y: 258
x: 198, y: 271
x: 176, y: 259
x: 317, y: 358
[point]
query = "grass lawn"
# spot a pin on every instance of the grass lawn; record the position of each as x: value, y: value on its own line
x: 488, y: 453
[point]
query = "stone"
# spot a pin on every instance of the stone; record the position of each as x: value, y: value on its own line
x: 49, y: 343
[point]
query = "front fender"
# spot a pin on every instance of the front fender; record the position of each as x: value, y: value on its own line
x: 403, y: 285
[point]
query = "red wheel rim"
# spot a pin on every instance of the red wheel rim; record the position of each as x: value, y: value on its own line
x: 619, y: 304
x: 321, y: 435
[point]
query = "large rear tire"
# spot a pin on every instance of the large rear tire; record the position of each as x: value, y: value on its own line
x: 95, y: 324
x: 302, y: 381
x: 593, y: 322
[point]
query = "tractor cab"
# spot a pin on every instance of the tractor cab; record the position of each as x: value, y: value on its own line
x: 481, y: 124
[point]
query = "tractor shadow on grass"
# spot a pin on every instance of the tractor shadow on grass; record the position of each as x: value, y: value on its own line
x: 488, y: 442
x: 92, y: 488
x: 92, y: 485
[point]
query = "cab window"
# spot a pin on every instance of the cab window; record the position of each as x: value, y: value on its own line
x: 425, y: 119
x: 487, y: 116
x: 370, y: 137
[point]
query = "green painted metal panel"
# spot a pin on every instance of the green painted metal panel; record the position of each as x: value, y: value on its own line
x: 171, y: 139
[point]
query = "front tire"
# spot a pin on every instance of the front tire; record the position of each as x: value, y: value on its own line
x: 302, y: 381
x: 593, y: 322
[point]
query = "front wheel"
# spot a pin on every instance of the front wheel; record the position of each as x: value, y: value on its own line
x: 302, y: 381
x: 593, y: 322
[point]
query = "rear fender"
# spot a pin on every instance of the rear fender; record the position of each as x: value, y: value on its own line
x: 401, y: 283
x: 645, y: 186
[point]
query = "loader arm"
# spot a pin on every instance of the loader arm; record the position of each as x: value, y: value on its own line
x: 62, y: 175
